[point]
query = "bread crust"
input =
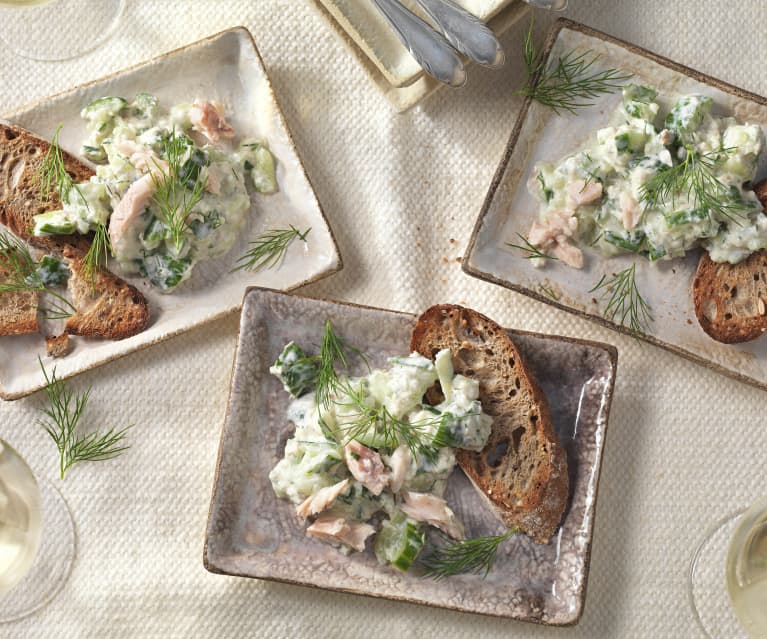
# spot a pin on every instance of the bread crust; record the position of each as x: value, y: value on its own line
x: 730, y: 300
x: 522, y: 470
x: 107, y: 307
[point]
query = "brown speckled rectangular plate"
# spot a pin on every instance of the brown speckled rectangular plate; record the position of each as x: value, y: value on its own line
x: 251, y: 533
x: 541, y: 134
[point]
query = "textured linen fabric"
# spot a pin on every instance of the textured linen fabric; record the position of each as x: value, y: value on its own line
x: 684, y: 448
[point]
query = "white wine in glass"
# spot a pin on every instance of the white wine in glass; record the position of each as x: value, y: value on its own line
x: 728, y: 576
x: 747, y: 570
x: 56, y: 29
x: 37, y: 538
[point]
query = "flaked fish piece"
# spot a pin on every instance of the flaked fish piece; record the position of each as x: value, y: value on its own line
x: 213, y: 181
x: 400, y: 463
x: 208, y: 118
x: 135, y: 200
x: 315, y: 504
x: 142, y: 157
x: 631, y: 212
x: 331, y: 527
x: 434, y: 511
x: 554, y: 237
x: 582, y: 193
x: 366, y: 466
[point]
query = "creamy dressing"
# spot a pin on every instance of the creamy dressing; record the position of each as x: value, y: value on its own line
x: 131, y: 143
x: 320, y: 453
x: 597, y: 196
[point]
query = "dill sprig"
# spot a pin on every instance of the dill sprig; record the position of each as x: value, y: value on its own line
x: 571, y: 83
x: 624, y: 301
x: 695, y: 179
x: 174, y: 196
x: 98, y: 253
x: 474, y: 556
x: 52, y: 177
x: 21, y: 274
x: 333, y: 350
x: 268, y: 249
x: 64, y: 413
x: 362, y: 420
x: 531, y: 251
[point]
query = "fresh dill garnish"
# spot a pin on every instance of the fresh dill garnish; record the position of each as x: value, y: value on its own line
x: 333, y: 350
x: 624, y: 301
x: 64, y: 413
x: 98, y: 253
x: 52, y: 177
x: 361, y: 420
x: 569, y: 84
x: 694, y: 179
x: 474, y: 556
x: 177, y: 189
x: 268, y: 249
x: 23, y: 273
x: 531, y: 252
x: 548, y: 292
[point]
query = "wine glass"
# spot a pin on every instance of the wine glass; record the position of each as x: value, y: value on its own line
x: 57, y: 29
x: 37, y: 538
x: 730, y: 565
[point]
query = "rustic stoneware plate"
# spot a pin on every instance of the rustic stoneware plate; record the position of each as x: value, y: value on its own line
x: 251, y: 533
x: 385, y: 59
x: 541, y: 134
x: 225, y: 67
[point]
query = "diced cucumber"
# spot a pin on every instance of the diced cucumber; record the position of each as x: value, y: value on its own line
x: 687, y: 115
x: 145, y: 105
x: 51, y: 272
x: 639, y: 93
x: 630, y: 142
x: 164, y: 271
x: 210, y: 222
x: 189, y: 172
x: 103, y: 109
x: 687, y: 216
x: 155, y: 233
x: 654, y: 254
x: 632, y: 241
x: 94, y: 153
x: 53, y: 223
x: 297, y: 372
x: 399, y: 541
x: 262, y: 171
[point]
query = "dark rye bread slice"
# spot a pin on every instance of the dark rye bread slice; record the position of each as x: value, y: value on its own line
x: 18, y: 310
x: 109, y: 307
x: 730, y: 300
x: 522, y: 471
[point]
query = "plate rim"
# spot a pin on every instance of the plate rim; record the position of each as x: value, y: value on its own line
x: 611, y: 352
x: 331, y: 270
x: 475, y: 271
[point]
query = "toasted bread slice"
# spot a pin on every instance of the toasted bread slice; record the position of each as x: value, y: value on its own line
x: 731, y: 299
x: 18, y: 310
x: 109, y: 307
x: 522, y: 471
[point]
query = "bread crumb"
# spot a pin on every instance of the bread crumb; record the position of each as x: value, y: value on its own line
x: 57, y: 345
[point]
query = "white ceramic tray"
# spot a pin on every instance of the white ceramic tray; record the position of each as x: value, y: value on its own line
x: 225, y: 67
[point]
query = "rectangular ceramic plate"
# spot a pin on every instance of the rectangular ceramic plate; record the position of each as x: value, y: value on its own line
x: 385, y: 59
x: 251, y: 533
x: 225, y: 67
x: 541, y: 134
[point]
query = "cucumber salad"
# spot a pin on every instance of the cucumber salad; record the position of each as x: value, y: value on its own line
x: 170, y: 186
x: 371, y: 458
x: 660, y: 181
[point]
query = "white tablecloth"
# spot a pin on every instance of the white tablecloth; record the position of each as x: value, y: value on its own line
x: 685, y: 446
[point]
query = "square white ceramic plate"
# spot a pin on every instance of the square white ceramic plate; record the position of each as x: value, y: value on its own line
x: 541, y: 134
x: 225, y: 67
x: 251, y: 533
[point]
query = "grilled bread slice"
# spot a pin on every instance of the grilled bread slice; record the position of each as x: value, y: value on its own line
x: 522, y: 471
x: 108, y: 307
x: 731, y: 299
x: 18, y: 310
